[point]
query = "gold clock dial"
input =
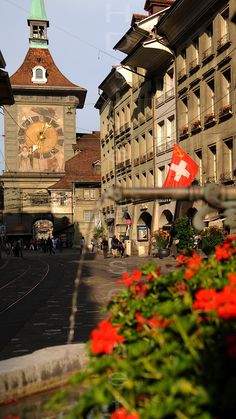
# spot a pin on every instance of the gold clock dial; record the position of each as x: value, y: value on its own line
x: 41, y: 137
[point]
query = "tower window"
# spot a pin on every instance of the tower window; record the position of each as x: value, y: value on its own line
x: 39, y: 75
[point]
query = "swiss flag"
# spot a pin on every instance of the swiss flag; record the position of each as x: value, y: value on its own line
x: 182, y: 170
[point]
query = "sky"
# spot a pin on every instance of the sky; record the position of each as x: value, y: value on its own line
x: 81, y: 35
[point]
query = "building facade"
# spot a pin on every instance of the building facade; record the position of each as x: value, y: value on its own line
x: 177, y: 83
x: 138, y: 131
x: 40, y: 129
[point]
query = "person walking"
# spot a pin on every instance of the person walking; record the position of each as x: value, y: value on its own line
x: 122, y: 246
x: 114, y: 246
x: 104, y: 246
x: 50, y: 245
x: 94, y: 243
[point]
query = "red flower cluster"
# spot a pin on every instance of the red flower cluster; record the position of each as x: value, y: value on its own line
x: 121, y: 413
x: 225, y: 250
x: 129, y: 279
x: 223, y: 302
x: 141, y: 289
x: 104, y: 339
x: 154, y: 321
x: 192, y: 264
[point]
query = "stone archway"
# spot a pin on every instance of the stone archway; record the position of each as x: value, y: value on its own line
x: 42, y: 229
x: 145, y: 219
x: 166, y: 218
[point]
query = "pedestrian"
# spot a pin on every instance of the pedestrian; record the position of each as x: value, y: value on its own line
x: 94, y: 243
x: 50, y: 245
x: 104, y: 246
x: 122, y: 247
x: 114, y: 246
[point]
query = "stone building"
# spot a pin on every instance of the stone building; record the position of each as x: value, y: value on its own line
x: 176, y: 84
x: 205, y: 60
x: 137, y: 115
x: 40, y: 129
x: 77, y: 193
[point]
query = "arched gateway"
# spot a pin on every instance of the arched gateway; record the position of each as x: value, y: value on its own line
x: 42, y: 229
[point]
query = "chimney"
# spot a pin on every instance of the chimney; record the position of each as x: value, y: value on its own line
x: 154, y: 6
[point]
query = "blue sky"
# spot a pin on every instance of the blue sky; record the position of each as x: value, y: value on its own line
x: 81, y: 39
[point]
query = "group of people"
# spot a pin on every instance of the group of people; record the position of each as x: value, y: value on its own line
x: 117, y: 246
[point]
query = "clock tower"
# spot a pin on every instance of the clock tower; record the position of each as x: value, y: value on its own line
x: 40, y: 129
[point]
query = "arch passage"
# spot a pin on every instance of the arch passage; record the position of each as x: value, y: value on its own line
x: 42, y: 229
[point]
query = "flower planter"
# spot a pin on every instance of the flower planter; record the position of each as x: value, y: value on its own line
x: 163, y: 253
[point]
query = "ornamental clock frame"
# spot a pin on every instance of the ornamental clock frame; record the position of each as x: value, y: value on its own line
x: 41, y: 139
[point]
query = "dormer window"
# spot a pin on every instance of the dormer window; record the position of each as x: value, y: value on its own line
x: 97, y: 167
x: 39, y: 75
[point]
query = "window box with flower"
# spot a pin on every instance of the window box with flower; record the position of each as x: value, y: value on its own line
x: 225, y: 111
x: 196, y: 125
x: 209, y: 120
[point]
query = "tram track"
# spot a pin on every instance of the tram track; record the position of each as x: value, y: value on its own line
x: 15, y: 290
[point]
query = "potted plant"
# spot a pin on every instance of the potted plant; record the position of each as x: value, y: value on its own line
x: 160, y: 241
x: 168, y: 347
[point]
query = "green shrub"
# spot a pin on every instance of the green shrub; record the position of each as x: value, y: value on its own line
x: 210, y: 238
x: 183, y: 232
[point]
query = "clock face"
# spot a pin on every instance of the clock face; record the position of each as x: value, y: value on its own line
x: 41, y: 141
x: 42, y: 137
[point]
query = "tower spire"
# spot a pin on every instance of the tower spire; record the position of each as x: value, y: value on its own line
x: 38, y: 24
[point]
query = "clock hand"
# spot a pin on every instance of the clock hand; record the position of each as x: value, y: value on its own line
x: 41, y: 135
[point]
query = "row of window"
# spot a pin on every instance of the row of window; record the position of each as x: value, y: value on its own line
x: 202, y: 47
x: 61, y: 199
x: 202, y: 104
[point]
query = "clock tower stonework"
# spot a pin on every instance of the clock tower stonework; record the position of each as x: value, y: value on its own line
x: 40, y: 129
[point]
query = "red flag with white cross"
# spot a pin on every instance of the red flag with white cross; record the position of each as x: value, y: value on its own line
x: 182, y: 170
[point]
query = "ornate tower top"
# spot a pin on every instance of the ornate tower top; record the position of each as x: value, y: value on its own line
x: 38, y: 24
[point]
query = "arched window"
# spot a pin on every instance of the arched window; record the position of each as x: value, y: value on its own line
x: 39, y: 75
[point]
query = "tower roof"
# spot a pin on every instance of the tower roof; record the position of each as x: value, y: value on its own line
x: 38, y: 11
x: 56, y: 81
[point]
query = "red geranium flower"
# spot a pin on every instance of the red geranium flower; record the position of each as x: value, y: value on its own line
x: 154, y: 321
x: 121, y: 413
x: 129, y: 278
x: 232, y: 278
x: 104, y: 339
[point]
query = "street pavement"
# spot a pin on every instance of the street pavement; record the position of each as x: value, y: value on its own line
x: 43, y: 320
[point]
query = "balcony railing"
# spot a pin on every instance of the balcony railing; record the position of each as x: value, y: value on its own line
x: 161, y: 148
x: 182, y: 74
x: 226, y: 176
x: 208, y: 53
x: 169, y: 93
x: 136, y: 161
x: 223, y: 41
x: 160, y: 99
x: 148, y: 113
x: 150, y: 155
x: 143, y: 159
x: 193, y: 65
